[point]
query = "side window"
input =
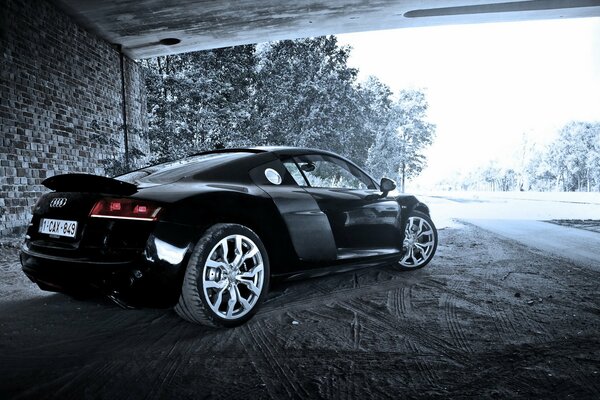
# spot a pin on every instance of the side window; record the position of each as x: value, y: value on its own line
x: 292, y: 168
x: 331, y: 172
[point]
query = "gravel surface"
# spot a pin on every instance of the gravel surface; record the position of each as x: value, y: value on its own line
x: 587, y: 224
x: 488, y: 318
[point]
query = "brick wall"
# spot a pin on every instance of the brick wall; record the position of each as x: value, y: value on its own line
x: 60, y: 105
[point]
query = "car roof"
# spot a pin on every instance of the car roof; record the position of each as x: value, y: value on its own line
x: 277, y: 150
x: 234, y: 169
x: 288, y: 150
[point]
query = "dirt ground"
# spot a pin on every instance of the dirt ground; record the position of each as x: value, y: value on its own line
x: 488, y: 318
x: 587, y: 224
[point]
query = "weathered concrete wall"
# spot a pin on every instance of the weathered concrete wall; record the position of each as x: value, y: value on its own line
x: 60, y: 104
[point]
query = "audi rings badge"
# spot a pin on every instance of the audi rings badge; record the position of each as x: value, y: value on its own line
x: 58, y: 202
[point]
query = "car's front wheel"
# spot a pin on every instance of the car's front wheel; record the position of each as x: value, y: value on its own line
x: 420, y: 241
x: 226, y: 279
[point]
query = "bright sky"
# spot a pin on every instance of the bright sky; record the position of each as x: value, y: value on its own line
x: 489, y: 84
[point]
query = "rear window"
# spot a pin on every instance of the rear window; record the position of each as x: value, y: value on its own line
x: 173, y: 171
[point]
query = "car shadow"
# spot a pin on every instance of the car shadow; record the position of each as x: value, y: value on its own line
x: 53, y: 314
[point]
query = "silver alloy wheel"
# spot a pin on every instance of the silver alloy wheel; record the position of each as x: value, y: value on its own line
x: 419, y: 242
x: 234, y: 272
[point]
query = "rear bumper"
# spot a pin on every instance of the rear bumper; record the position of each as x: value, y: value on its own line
x: 147, y: 274
x: 74, y: 275
x: 131, y: 281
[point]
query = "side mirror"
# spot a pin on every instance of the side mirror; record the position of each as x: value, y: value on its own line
x: 386, y: 186
x: 307, y: 167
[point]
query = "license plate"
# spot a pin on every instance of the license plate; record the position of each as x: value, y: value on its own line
x: 58, y: 227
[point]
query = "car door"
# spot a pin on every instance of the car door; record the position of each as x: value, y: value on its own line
x: 363, y: 222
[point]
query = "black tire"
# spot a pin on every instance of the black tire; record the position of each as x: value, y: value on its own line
x: 425, y: 237
x: 194, y: 306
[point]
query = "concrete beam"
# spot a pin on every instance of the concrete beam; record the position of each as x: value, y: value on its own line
x: 143, y: 27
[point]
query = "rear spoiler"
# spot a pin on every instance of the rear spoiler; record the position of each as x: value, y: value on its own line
x: 89, y: 183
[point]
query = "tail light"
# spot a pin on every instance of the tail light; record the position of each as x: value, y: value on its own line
x: 126, y: 209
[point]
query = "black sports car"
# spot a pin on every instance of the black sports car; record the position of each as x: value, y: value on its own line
x: 208, y: 232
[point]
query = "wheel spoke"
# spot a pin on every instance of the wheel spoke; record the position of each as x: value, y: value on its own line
x: 239, y: 251
x: 218, y: 300
x: 408, y: 254
x: 252, y: 273
x: 250, y: 253
x: 224, y: 250
x: 238, y: 245
x: 215, y: 285
x: 233, y: 298
x: 216, y: 264
x: 412, y: 255
x: 251, y: 286
x: 237, y: 261
x: 422, y: 249
x: 411, y: 224
x: 429, y: 232
x: 242, y: 300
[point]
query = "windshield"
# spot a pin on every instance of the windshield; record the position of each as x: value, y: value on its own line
x: 173, y: 171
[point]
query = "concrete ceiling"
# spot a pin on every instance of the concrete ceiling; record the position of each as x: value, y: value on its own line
x: 139, y: 26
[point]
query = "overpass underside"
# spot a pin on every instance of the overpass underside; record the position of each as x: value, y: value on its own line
x: 148, y: 28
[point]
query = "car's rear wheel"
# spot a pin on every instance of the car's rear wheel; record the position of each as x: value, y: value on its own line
x: 420, y: 241
x: 226, y: 279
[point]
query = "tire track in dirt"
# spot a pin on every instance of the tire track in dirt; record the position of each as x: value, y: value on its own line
x: 185, y: 349
x: 340, y: 380
x: 424, y: 369
x: 284, y: 383
x: 356, y: 328
x: 368, y: 313
x: 526, y: 320
x: 504, y: 323
x: 531, y: 371
x: 451, y: 317
x: 399, y: 304
x: 166, y: 373
x: 105, y: 371
x: 77, y: 340
x: 414, y: 338
x: 383, y: 323
x: 399, y: 301
x: 575, y: 376
x: 392, y: 303
x: 503, y: 320
x: 174, y: 350
x: 306, y: 298
x: 58, y: 386
x: 510, y: 318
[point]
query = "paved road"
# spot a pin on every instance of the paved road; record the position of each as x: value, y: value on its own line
x: 514, y: 216
x: 577, y: 245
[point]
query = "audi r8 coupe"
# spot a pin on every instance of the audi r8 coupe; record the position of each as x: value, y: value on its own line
x: 207, y: 233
